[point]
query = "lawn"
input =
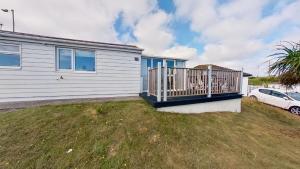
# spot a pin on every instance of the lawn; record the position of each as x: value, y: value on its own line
x: 131, y: 134
x: 263, y: 81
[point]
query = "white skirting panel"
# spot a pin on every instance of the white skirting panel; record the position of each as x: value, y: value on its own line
x: 233, y: 105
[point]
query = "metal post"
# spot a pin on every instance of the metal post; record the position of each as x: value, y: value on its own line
x: 241, y: 81
x: 13, y: 18
x: 148, y: 80
x: 158, y: 82
x: 209, y: 80
x: 165, y: 79
x: 184, y: 79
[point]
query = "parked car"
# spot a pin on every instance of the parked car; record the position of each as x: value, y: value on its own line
x: 286, y: 100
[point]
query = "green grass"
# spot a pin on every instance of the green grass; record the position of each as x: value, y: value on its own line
x: 131, y: 134
x: 263, y: 80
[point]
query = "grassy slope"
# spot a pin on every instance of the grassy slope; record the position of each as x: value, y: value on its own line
x: 263, y: 80
x: 131, y: 134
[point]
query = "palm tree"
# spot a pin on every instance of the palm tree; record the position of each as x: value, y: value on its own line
x: 287, y: 63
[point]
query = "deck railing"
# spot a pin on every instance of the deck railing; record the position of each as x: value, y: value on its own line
x: 226, y: 81
x: 152, y: 81
x: 192, y: 82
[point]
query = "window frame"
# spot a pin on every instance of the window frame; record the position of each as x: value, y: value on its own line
x: 20, y: 56
x: 84, y: 71
x: 73, y: 60
x: 57, y: 59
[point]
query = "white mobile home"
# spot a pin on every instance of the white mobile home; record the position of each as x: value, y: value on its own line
x: 34, y: 67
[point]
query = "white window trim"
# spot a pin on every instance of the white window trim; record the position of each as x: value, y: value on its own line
x: 73, y: 60
x: 6, y: 52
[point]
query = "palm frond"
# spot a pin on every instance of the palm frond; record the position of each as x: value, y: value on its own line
x: 287, y: 63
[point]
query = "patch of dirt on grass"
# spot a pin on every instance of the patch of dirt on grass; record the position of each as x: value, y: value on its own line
x: 143, y: 130
x: 154, y: 138
x: 91, y: 112
x: 113, y: 149
x: 293, y: 133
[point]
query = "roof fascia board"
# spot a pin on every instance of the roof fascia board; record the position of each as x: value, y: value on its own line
x: 161, y: 57
x: 54, y: 40
x: 70, y: 44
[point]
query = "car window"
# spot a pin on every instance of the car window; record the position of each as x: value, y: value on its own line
x: 278, y: 94
x: 294, y: 95
x: 265, y: 91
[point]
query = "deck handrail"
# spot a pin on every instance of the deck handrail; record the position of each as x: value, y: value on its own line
x: 195, y: 82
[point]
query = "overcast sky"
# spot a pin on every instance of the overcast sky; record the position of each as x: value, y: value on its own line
x: 231, y: 33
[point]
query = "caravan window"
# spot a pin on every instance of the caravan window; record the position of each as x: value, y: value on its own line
x: 80, y: 60
x: 180, y: 64
x: 10, y: 55
x: 85, y: 60
x: 64, y: 58
x: 156, y: 61
x: 170, y: 63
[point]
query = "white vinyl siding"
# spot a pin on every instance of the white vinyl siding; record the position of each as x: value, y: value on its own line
x: 116, y: 74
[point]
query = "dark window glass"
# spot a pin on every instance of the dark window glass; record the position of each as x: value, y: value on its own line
x: 156, y: 61
x: 149, y: 62
x: 64, y: 59
x: 144, y: 67
x: 170, y: 63
x: 294, y: 95
x: 278, y: 94
x: 265, y: 91
x: 84, y: 60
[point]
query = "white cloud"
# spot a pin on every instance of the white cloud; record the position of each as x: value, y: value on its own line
x: 293, y: 35
x: 153, y: 34
x: 94, y: 20
x: 89, y: 19
x: 233, y: 33
x: 182, y: 52
x: 201, y: 12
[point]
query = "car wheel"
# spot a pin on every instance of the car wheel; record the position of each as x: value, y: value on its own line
x: 295, y: 110
x: 254, y: 98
